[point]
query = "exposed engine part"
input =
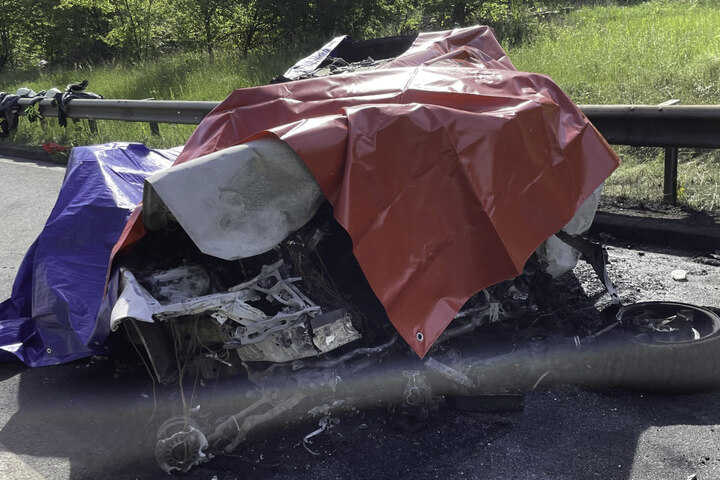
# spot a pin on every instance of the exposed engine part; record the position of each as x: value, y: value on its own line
x: 417, y: 403
x: 333, y: 330
x: 180, y: 445
x: 294, y: 327
x: 487, y: 313
x: 596, y: 255
x: 239, y: 425
x: 178, y: 284
x: 298, y: 331
x: 288, y: 344
x: 456, y: 376
x: 324, y: 424
x: 334, y: 362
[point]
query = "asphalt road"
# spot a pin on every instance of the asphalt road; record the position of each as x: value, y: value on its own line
x: 82, y: 420
x: 28, y: 190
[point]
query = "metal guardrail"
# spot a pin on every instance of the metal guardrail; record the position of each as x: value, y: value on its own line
x: 151, y: 111
x: 694, y: 126
x: 667, y: 126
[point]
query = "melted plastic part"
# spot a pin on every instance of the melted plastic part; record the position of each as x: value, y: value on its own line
x: 251, y: 198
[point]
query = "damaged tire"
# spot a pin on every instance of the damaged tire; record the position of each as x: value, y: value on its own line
x: 666, y: 347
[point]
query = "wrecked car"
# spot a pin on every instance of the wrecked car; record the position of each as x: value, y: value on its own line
x: 312, y: 229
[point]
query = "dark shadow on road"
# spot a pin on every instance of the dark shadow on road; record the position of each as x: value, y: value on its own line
x: 81, y: 412
x: 104, y: 424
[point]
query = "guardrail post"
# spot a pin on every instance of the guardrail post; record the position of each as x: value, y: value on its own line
x: 93, y: 125
x: 154, y: 128
x: 670, y: 184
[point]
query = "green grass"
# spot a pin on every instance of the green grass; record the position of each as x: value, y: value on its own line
x: 640, y: 178
x: 184, y: 76
x: 641, y: 54
x: 647, y: 53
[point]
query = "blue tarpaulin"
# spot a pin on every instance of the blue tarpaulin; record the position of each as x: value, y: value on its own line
x: 51, y: 316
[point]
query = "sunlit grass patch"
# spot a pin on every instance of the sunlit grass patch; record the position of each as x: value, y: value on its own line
x: 187, y: 76
x: 640, y: 54
x: 645, y: 53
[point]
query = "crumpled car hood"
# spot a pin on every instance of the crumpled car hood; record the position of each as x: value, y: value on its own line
x: 446, y: 166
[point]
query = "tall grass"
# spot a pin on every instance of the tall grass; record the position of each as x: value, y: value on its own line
x: 183, y: 76
x: 645, y: 53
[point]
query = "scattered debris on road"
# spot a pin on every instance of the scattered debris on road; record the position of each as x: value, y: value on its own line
x: 679, y: 275
x: 379, y: 216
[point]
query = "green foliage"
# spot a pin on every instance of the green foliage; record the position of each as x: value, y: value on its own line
x: 64, y: 32
x: 646, y: 53
x: 642, y: 53
x: 136, y: 28
x: 39, y: 30
x: 603, y: 51
x: 8, y: 34
x: 514, y: 21
x: 179, y: 76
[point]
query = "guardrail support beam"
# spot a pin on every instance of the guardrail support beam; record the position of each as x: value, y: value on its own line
x: 668, y: 125
x: 670, y: 183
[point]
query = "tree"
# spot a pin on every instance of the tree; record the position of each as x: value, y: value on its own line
x: 257, y: 22
x: 65, y: 31
x: 136, y: 27
x: 200, y: 23
x: 14, y: 42
x: 450, y: 13
x: 7, y: 34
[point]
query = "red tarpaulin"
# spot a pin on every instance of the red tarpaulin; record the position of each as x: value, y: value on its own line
x: 447, y: 167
